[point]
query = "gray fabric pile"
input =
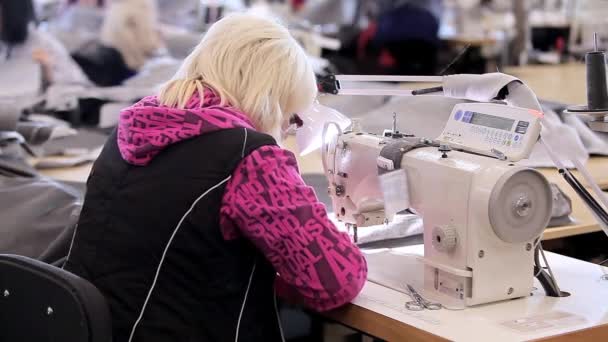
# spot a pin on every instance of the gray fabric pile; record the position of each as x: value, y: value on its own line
x: 35, y: 211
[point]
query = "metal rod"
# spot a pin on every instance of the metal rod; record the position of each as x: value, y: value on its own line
x: 587, y: 176
x: 375, y: 92
x: 388, y: 78
x: 394, y: 123
x: 542, y: 253
x: 595, y: 40
x: 427, y: 90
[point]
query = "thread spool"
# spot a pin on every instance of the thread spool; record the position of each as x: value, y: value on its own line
x: 597, y: 88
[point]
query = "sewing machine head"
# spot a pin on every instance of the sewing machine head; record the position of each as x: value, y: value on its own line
x: 501, y: 133
x: 481, y: 211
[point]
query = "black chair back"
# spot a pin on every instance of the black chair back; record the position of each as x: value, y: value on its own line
x: 40, y: 302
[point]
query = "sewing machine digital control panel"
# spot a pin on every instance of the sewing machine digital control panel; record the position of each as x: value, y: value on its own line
x: 493, y: 129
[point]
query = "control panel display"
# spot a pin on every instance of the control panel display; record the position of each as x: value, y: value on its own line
x: 492, y: 121
x: 493, y: 129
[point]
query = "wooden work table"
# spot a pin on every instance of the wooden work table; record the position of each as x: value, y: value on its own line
x: 563, y: 83
x: 584, y: 220
x: 380, y: 312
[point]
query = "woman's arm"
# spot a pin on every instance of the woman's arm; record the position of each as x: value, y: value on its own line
x: 267, y: 202
x: 57, y: 64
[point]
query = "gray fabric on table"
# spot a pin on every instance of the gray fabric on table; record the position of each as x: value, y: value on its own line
x: 155, y: 72
x: 109, y: 114
x: 424, y: 116
x: 65, y: 97
x: 561, y: 209
x: 85, y: 139
x: 562, y: 138
x: 321, y: 12
x: 178, y: 12
x: 411, y: 240
x: 12, y: 163
x: 34, y: 212
x: 21, y: 81
x: 181, y: 43
x: 9, y: 115
x: 596, y: 143
x: 402, y: 226
x: 353, y: 106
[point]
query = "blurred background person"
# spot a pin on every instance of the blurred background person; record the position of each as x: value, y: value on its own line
x: 21, y: 40
x: 89, y: 3
x: 387, y: 36
x: 405, y: 34
x: 129, y: 37
x: 181, y: 13
x: 78, y: 22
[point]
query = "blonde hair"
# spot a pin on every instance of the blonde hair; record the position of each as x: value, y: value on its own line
x: 130, y: 26
x: 253, y: 64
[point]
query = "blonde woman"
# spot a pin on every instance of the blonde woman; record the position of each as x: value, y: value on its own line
x: 129, y: 37
x: 132, y: 28
x: 195, y: 219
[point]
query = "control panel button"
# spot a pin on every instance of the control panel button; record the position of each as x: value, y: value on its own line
x: 522, y: 127
x: 516, y: 138
x: 458, y: 115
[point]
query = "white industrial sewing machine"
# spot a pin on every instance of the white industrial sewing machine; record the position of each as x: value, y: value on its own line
x: 481, y: 211
x: 483, y: 214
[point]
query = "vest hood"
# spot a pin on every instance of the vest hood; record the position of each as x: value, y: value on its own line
x: 147, y: 127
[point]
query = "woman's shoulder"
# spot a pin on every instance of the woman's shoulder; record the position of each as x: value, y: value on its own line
x: 270, y: 158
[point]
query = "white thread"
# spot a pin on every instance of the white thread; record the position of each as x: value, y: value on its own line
x: 71, y: 245
x: 244, y: 143
x: 238, y: 323
x: 276, y: 310
x: 542, y: 253
x: 162, y: 258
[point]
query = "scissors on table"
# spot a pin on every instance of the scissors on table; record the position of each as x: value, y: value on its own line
x: 418, y: 303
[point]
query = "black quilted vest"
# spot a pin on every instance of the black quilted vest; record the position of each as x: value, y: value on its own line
x: 129, y: 215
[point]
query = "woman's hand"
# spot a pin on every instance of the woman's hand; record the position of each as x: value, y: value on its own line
x: 44, y: 59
